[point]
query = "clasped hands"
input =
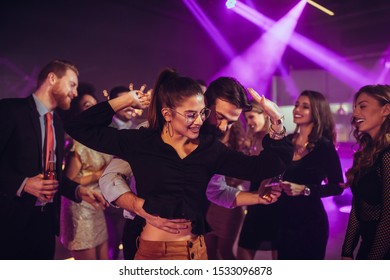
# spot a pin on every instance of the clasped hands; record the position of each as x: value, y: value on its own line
x: 142, y: 99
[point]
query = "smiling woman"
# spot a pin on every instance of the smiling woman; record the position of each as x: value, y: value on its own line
x: 369, y: 176
x: 304, y: 227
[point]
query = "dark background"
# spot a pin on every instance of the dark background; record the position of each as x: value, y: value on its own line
x: 120, y: 41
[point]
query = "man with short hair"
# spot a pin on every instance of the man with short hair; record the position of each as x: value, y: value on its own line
x: 30, y: 203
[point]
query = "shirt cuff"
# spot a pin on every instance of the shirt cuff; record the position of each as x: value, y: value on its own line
x: 113, y: 187
x: 128, y: 214
x: 21, y: 188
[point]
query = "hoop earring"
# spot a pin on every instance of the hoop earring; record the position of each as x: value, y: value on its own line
x: 169, y: 129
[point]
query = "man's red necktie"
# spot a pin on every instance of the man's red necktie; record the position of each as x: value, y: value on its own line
x: 49, y: 137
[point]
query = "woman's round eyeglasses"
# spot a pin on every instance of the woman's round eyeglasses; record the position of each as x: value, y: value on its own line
x: 192, y: 116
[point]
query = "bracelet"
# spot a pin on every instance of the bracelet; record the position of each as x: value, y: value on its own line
x: 277, y: 122
x: 277, y: 135
x: 306, y: 191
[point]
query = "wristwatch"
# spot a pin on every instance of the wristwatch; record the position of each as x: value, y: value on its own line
x: 306, y: 191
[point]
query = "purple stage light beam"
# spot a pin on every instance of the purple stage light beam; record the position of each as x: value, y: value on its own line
x: 210, y: 28
x: 255, y: 67
x: 384, y: 66
x: 291, y: 87
x: 384, y: 76
x: 349, y: 73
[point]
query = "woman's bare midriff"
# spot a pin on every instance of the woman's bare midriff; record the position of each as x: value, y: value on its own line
x: 152, y: 233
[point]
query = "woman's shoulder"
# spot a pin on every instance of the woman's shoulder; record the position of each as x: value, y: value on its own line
x: 383, y: 159
x: 387, y: 149
x: 385, y: 153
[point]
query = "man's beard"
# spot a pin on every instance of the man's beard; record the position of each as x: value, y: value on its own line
x: 61, y: 98
x: 214, y: 130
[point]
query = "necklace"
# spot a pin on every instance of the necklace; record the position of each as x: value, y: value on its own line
x: 253, y: 147
x: 300, y: 150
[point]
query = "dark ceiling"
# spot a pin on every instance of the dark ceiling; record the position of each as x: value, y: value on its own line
x: 119, y: 41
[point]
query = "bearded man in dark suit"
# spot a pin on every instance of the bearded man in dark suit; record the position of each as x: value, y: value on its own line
x: 29, y: 203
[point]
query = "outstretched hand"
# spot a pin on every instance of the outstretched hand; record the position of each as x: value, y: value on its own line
x: 270, y: 108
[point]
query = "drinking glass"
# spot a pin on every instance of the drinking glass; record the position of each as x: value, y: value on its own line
x: 266, y: 186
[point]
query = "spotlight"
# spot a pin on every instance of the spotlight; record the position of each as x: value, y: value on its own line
x: 318, y: 6
x: 230, y: 4
x: 387, y: 64
x: 211, y: 29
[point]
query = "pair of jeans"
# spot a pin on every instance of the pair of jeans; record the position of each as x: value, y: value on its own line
x: 193, y: 249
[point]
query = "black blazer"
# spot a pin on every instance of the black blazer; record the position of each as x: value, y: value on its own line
x: 21, y: 157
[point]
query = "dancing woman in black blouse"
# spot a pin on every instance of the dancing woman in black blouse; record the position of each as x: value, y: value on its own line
x: 304, y: 227
x: 173, y: 162
x: 369, y: 176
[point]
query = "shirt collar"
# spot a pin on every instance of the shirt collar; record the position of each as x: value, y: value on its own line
x: 42, y: 110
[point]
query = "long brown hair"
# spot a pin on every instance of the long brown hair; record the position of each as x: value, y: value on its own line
x: 256, y: 107
x: 323, y: 122
x: 253, y: 141
x: 169, y: 91
x: 369, y: 149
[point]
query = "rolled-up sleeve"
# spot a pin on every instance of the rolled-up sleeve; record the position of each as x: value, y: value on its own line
x: 114, y: 181
x: 220, y: 193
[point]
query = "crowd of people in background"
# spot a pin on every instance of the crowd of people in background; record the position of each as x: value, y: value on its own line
x: 182, y: 170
